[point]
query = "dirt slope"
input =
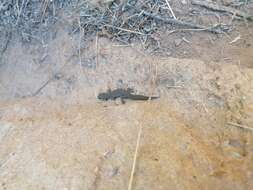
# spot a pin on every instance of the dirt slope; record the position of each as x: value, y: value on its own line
x: 64, y: 138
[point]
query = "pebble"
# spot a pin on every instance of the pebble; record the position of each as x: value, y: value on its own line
x: 178, y: 42
x: 184, y: 2
x: 114, y: 172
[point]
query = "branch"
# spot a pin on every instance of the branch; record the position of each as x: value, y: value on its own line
x: 222, y: 8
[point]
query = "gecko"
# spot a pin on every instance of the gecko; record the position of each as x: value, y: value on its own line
x: 123, y: 94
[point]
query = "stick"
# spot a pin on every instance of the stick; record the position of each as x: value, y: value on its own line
x: 97, y: 50
x: 240, y: 126
x: 171, y: 9
x: 130, y: 184
x: 20, y: 11
x: 45, y: 4
x: 183, y: 23
x: 123, y: 29
x: 222, y: 8
x: 39, y: 89
x: 80, y: 39
x: 8, y: 39
x: 180, y: 87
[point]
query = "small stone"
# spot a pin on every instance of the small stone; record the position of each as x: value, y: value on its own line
x: 118, y: 101
x: 178, y: 42
x: 237, y: 86
x: 235, y: 143
x: 108, y: 153
x: 58, y: 76
x: 227, y: 2
x: 184, y: 2
x: 169, y: 53
x: 113, y: 172
x: 234, y: 148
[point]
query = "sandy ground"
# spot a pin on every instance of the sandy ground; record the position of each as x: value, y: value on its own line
x: 56, y: 135
x: 64, y: 138
x: 89, y: 146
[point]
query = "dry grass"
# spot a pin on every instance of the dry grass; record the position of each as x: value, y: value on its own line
x: 124, y: 21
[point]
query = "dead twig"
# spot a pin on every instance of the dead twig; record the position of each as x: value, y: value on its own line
x: 213, y: 29
x: 20, y: 11
x: 123, y: 29
x: 97, y: 172
x: 240, y: 126
x: 8, y: 39
x: 171, y: 9
x: 44, y: 8
x: 236, y: 39
x: 40, y: 89
x: 130, y: 184
x: 176, y: 87
x: 97, y: 50
x: 56, y: 76
x: 222, y: 8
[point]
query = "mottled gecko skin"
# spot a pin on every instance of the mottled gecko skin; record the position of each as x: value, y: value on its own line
x: 122, y: 94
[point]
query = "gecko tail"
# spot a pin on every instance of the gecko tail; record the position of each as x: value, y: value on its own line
x: 141, y: 97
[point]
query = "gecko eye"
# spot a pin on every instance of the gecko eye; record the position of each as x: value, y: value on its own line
x: 100, y: 96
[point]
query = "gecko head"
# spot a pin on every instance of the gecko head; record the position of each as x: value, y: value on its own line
x: 103, y: 96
